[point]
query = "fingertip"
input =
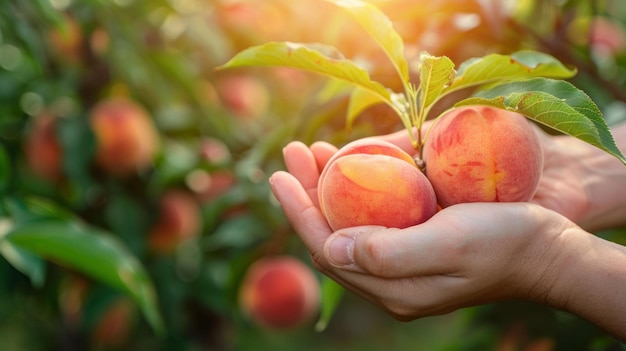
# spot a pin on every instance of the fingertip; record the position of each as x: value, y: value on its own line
x: 293, y: 153
x: 301, y: 163
x: 323, y: 152
x: 323, y: 147
x: 282, y: 184
x: 276, y: 179
x: 293, y: 145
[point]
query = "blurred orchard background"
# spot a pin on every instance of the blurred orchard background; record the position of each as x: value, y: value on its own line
x: 133, y: 175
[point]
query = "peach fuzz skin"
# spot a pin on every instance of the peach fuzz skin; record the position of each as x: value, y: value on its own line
x: 482, y: 154
x: 372, y: 182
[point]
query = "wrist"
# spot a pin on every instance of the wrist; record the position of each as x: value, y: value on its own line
x: 591, y: 279
x: 563, y: 259
x: 541, y: 275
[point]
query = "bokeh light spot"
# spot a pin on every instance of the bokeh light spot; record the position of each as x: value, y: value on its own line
x: 10, y: 57
x: 31, y: 103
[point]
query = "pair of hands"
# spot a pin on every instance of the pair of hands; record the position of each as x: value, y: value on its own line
x: 467, y: 254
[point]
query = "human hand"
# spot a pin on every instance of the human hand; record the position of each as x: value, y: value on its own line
x: 475, y: 253
x: 465, y: 255
x: 582, y: 182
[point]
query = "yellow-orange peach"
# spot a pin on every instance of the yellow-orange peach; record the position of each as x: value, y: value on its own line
x: 483, y: 154
x: 372, y: 182
x: 127, y: 139
x: 279, y: 292
x: 65, y: 40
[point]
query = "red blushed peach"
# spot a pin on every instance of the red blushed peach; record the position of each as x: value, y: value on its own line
x: 279, y: 292
x: 179, y: 220
x: 42, y: 148
x: 607, y: 37
x: 372, y: 182
x: 483, y: 154
x: 127, y: 140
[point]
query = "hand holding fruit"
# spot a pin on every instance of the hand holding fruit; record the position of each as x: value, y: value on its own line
x: 471, y: 253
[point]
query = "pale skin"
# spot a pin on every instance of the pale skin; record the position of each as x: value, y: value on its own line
x: 471, y: 254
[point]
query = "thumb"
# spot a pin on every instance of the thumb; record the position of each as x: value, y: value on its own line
x: 394, y: 253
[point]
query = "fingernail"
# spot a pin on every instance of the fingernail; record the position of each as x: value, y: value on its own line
x: 340, y: 250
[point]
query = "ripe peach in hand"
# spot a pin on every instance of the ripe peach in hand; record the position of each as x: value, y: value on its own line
x: 279, y: 292
x: 483, y: 154
x: 372, y: 182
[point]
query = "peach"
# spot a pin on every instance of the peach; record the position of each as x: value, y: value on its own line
x: 179, y: 220
x: 127, y: 140
x: 66, y: 41
x: 113, y: 327
x: 605, y: 37
x: 99, y: 41
x: 245, y: 96
x: 42, y: 148
x: 210, y: 186
x: 73, y: 291
x: 373, y: 182
x: 214, y: 151
x: 279, y: 292
x: 482, y: 154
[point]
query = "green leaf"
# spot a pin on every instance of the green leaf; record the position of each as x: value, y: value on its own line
x: 554, y: 103
x: 435, y: 74
x: 360, y: 100
x: 380, y: 28
x: 93, y: 253
x: 308, y: 57
x: 331, y: 296
x: 32, y: 208
x: 29, y: 264
x: 332, y: 89
x: 235, y: 233
x: 519, y: 65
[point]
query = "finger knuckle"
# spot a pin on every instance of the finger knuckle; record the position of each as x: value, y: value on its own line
x: 376, y: 256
